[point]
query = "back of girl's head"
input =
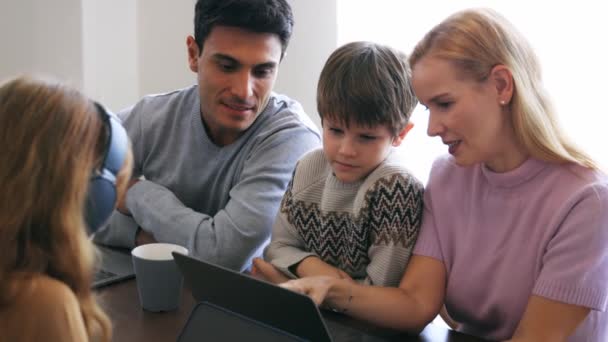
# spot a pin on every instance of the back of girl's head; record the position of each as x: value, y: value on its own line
x: 48, y: 140
x: 366, y: 84
x: 51, y: 136
x: 475, y: 41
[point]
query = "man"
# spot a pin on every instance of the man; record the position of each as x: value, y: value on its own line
x: 216, y: 157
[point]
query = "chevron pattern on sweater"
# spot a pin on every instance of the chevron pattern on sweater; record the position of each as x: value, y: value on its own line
x: 394, y: 211
x: 391, y: 214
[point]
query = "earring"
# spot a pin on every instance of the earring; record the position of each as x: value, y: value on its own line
x: 503, y: 102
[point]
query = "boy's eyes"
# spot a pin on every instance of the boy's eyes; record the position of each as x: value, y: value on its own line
x: 365, y: 137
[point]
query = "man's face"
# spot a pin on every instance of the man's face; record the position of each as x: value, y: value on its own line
x: 236, y: 72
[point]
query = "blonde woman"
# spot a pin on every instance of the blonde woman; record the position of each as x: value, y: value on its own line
x: 514, y: 238
x: 53, y: 141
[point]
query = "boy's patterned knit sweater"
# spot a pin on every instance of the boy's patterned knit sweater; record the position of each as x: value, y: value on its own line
x: 367, y: 229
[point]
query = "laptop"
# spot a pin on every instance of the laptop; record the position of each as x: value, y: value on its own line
x: 115, y: 266
x: 250, y: 302
x: 210, y: 322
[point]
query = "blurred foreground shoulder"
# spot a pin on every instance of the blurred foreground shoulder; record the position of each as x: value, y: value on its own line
x: 45, y: 309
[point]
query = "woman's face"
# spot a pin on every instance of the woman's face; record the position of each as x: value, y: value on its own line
x: 466, y: 114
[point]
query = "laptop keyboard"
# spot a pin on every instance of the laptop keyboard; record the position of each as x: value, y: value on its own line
x: 102, y: 275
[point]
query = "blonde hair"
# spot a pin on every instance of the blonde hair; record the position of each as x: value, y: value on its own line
x: 51, y: 139
x: 475, y: 41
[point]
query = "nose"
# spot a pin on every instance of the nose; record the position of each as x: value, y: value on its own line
x: 347, y: 148
x: 242, y: 86
x: 435, y: 127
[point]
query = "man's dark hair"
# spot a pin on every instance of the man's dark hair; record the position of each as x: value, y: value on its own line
x: 263, y: 16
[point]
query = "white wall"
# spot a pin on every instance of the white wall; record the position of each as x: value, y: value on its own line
x: 314, y: 38
x: 109, y: 52
x: 116, y: 51
x: 162, y: 28
x: 39, y: 36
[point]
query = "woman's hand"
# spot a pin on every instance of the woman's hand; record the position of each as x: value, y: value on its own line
x: 316, y: 287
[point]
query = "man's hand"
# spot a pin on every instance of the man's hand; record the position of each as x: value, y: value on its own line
x: 266, y: 271
x: 121, y: 204
x: 142, y: 237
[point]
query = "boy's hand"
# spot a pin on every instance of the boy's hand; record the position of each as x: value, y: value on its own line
x: 313, y: 266
x: 266, y: 271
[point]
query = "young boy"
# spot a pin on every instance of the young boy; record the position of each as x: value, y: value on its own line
x: 351, y: 210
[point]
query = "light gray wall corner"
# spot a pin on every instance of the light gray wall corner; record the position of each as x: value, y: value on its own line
x: 162, y: 28
x: 109, y: 51
x: 314, y: 38
x: 41, y: 38
x: 117, y: 51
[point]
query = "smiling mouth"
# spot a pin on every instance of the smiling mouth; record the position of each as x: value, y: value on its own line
x: 238, y: 107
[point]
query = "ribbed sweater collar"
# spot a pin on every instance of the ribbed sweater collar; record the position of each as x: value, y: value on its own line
x: 510, y: 179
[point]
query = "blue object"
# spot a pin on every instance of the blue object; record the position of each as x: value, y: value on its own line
x: 101, y: 197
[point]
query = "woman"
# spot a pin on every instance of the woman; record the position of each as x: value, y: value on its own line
x: 52, y: 140
x: 515, y: 230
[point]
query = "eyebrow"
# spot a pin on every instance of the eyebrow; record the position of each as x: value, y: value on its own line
x: 228, y: 58
x: 267, y: 65
x: 437, y: 97
x: 222, y: 57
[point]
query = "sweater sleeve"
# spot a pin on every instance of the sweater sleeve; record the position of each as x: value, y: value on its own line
x: 395, y: 217
x: 286, y: 247
x: 237, y: 231
x: 428, y: 242
x: 575, y: 263
x: 234, y: 233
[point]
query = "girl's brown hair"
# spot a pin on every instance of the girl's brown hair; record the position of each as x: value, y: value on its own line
x: 51, y: 138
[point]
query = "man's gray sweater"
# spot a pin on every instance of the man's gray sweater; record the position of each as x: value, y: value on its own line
x: 219, y: 202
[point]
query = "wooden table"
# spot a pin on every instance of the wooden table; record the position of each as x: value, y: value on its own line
x: 133, y: 324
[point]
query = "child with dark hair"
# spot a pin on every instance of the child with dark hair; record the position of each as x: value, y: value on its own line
x: 352, y: 210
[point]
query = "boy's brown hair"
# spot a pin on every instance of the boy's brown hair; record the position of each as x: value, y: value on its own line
x: 367, y: 84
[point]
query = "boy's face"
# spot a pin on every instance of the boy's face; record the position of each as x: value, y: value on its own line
x: 355, y: 151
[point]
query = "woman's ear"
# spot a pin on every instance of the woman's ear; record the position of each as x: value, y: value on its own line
x: 399, y: 138
x: 503, y: 82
